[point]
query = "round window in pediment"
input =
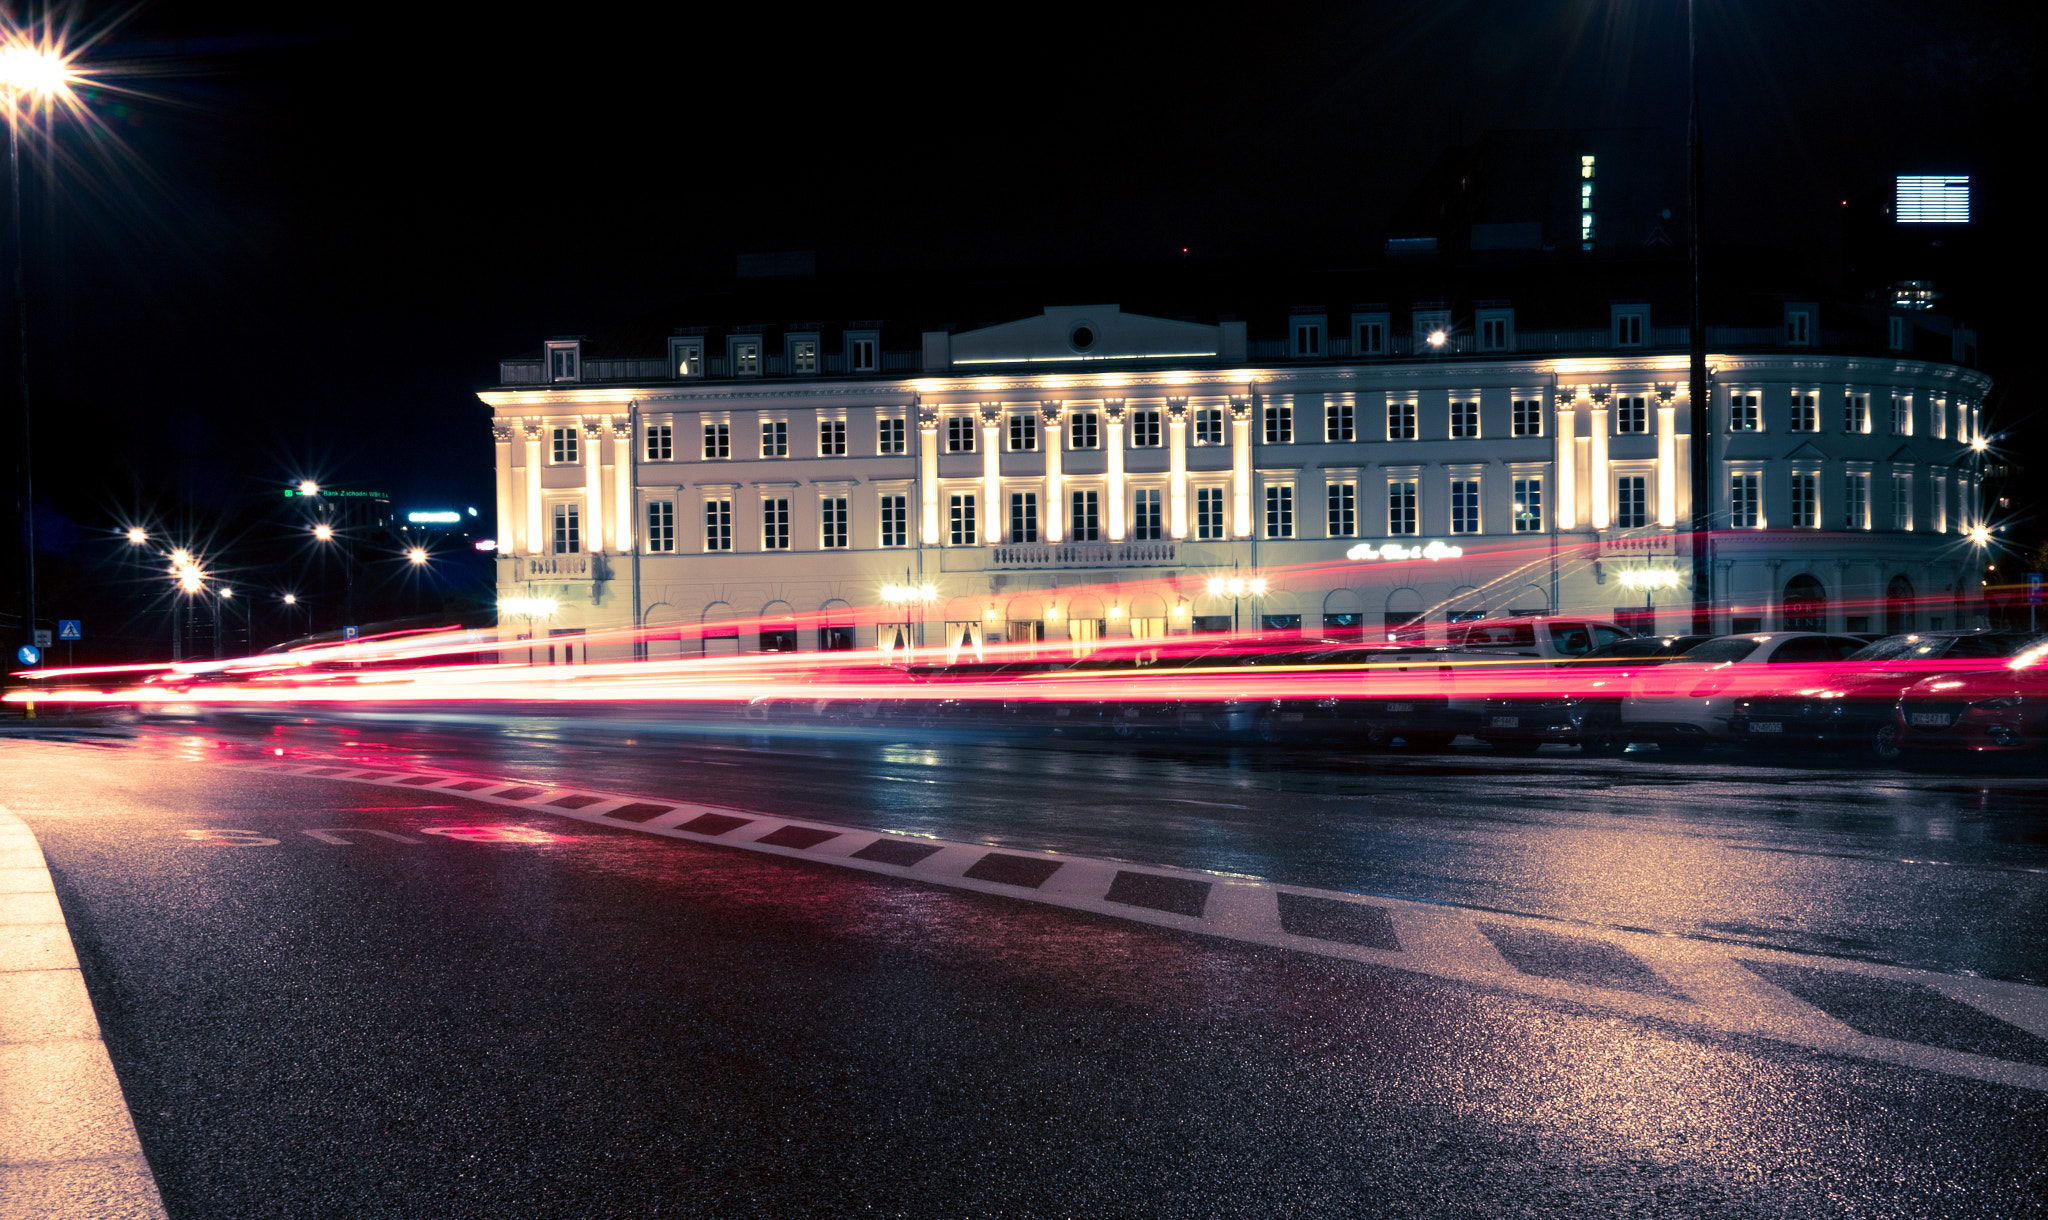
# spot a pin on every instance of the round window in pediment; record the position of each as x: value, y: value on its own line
x: 1082, y: 337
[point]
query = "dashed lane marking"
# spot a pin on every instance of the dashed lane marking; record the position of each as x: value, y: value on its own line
x: 1980, y: 1029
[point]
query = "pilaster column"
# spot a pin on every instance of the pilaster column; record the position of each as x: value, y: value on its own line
x: 1667, y: 458
x: 1177, y: 468
x: 1567, y: 458
x: 623, y: 490
x: 593, y: 485
x: 506, y: 526
x: 533, y: 543
x: 1599, y: 494
x: 1114, y: 411
x: 1241, y: 466
x: 928, y: 474
x: 1052, y: 416
x: 991, y: 472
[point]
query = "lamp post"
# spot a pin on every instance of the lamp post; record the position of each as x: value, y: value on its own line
x: 1702, y: 523
x: 34, y: 74
x: 1238, y: 588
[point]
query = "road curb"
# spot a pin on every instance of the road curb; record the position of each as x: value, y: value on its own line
x: 1732, y: 988
x: 67, y: 1143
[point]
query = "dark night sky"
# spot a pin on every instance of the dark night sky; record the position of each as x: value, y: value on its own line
x: 303, y: 235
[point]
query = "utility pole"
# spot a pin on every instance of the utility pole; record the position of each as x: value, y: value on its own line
x: 17, y: 256
x: 1702, y: 524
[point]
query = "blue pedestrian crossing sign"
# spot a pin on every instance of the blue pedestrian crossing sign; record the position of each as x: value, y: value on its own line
x: 67, y: 629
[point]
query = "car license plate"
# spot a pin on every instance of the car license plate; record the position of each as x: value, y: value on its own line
x: 1930, y: 720
x: 1506, y: 722
x: 1766, y: 726
x: 1400, y: 707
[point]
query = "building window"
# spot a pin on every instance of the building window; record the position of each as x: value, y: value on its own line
x: 1744, y: 501
x: 1856, y: 501
x: 1023, y: 433
x: 1902, y: 415
x: 1493, y: 334
x: 1464, y: 420
x: 1085, y: 524
x: 960, y: 434
x: 831, y: 438
x: 1856, y: 413
x: 1337, y: 422
x: 1343, y: 518
x: 1401, y: 421
x: 1796, y: 332
x: 803, y: 356
x: 1279, y: 512
x: 688, y: 359
x: 1805, y: 411
x: 1023, y: 516
x: 1209, y: 426
x: 1628, y: 330
x: 564, y: 450
x: 562, y: 363
x: 718, y: 525
x: 746, y: 358
x: 1745, y: 411
x: 568, y: 529
x: 1308, y: 338
x: 1279, y: 424
x: 1629, y: 512
x: 1631, y: 414
x: 1464, y: 506
x: 775, y: 525
x: 960, y: 520
x: 717, y: 441
x: 895, y: 520
x: 1144, y: 429
x: 1902, y: 500
x: 1528, y: 417
x: 861, y: 354
x: 889, y: 436
x: 1208, y: 513
x: 832, y: 522
x: 1895, y: 333
x: 1529, y: 506
x: 1146, y: 523
x: 774, y: 438
x: 1401, y: 506
x: 1086, y: 431
x: 1372, y: 338
x: 661, y: 526
x: 660, y: 440
x: 1805, y: 501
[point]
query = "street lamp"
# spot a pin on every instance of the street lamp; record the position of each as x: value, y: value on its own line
x: 38, y: 74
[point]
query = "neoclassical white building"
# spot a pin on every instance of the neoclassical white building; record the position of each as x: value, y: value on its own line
x: 1089, y: 473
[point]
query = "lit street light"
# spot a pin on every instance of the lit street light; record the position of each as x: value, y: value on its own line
x: 417, y: 556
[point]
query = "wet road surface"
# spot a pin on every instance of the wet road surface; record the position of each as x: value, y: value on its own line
x: 462, y: 1009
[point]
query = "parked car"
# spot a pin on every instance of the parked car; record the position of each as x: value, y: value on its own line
x: 1993, y: 711
x: 1583, y: 707
x: 1554, y: 638
x: 1687, y: 702
x: 1855, y: 706
x: 1378, y: 695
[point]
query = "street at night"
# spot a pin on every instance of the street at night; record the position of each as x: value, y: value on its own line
x: 336, y: 971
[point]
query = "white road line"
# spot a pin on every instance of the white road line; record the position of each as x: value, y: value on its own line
x: 67, y: 1142
x: 1436, y: 940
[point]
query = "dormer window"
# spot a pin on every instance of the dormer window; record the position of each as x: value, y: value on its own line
x: 802, y: 351
x: 863, y: 349
x: 1433, y: 332
x: 1630, y: 323
x: 1308, y: 337
x: 1496, y: 329
x: 1369, y: 333
x: 746, y: 357
x: 565, y: 360
x: 686, y: 357
x: 1798, y: 327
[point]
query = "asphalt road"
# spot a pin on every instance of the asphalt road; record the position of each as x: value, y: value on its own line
x: 336, y: 998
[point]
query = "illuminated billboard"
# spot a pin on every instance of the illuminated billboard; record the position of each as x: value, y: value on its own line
x: 1933, y: 199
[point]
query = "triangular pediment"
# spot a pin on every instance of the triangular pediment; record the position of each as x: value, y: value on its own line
x: 1807, y: 451
x: 1078, y: 333
x: 1904, y: 453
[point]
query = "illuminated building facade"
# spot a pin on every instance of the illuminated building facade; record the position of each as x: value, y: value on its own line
x: 1089, y: 473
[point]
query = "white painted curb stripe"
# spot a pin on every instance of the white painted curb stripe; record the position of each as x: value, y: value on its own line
x: 67, y: 1142
x: 1436, y: 940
